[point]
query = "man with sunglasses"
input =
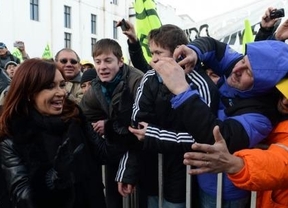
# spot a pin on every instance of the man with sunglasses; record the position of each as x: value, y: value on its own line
x: 69, y: 61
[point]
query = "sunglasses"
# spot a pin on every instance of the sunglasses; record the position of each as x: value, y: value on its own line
x: 64, y: 61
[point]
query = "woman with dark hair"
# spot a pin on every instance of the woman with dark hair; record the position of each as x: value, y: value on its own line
x: 50, y: 156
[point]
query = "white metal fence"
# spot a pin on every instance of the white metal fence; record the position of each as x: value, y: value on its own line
x: 132, y: 200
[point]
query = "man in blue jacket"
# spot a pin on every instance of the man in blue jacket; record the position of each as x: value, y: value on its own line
x: 247, y: 110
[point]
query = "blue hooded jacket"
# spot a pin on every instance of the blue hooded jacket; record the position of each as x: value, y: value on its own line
x: 269, y: 63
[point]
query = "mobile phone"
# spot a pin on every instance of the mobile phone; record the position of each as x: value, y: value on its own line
x: 277, y: 13
x: 18, y: 44
x: 124, y: 26
x: 134, y: 124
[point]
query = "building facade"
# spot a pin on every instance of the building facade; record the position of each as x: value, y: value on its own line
x: 75, y: 24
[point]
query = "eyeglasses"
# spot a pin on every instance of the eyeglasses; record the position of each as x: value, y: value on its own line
x: 64, y: 61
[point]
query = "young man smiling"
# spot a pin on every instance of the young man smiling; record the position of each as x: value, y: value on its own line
x: 108, y: 103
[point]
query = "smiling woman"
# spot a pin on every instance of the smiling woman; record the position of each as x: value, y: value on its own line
x: 50, y: 155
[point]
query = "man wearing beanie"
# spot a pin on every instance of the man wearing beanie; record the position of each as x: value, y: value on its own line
x: 86, y: 79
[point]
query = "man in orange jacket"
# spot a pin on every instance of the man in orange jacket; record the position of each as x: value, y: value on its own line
x: 265, y: 171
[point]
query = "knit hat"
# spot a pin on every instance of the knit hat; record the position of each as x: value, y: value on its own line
x: 88, y: 75
x: 282, y: 86
x: 269, y: 63
x: 10, y: 63
x: 2, y: 45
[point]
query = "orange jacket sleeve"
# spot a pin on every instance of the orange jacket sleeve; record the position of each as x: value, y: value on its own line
x: 265, y: 169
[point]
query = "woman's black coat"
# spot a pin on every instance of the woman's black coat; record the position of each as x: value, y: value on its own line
x: 28, y: 155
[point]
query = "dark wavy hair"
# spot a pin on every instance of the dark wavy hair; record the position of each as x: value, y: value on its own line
x: 32, y: 76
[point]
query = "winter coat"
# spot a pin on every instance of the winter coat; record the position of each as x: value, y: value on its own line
x: 6, y: 58
x: 244, y: 118
x: 73, y: 88
x: 266, y: 171
x: 152, y: 105
x: 27, y: 158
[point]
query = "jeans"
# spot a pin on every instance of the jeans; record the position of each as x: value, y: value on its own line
x: 153, y: 202
x: 208, y: 201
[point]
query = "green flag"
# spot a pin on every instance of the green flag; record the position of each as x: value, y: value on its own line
x: 146, y: 20
x: 16, y: 52
x: 47, y: 54
x: 248, y: 36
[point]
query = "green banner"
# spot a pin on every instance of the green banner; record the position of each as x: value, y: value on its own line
x: 146, y: 20
x: 16, y: 52
x: 248, y: 36
x: 47, y: 54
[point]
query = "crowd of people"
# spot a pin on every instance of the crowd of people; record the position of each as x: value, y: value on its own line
x: 198, y: 104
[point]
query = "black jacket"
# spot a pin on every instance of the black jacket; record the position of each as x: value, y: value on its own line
x: 152, y: 105
x: 28, y: 156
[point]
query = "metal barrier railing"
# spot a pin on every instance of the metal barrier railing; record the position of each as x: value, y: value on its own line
x: 132, y: 201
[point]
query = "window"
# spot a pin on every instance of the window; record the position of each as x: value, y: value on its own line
x: 93, y: 41
x: 115, y: 2
x: 34, y: 10
x: 67, y: 40
x: 115, y: 31
x: 93, y: 24
x: 67, y: 16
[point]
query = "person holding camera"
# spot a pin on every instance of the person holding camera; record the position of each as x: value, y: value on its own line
x: 134, y: 46
x: 269, y: 26
x: 21, y: 47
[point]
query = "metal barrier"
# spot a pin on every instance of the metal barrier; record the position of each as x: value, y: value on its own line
x: 132, y: 200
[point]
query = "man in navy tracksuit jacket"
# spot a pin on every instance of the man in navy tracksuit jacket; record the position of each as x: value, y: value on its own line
x: 152, y: 104
x: 245, y: 116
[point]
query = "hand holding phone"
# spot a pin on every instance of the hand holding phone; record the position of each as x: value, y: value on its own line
x: 277, y: 13
x: 124, y: 26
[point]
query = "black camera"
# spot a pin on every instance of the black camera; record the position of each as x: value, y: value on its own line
x: 277, y: 13
x: 124, y: 26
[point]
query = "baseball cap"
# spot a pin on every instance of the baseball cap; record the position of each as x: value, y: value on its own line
x: 2, y: 45
x: 282, y: 86
x: 86, y: 62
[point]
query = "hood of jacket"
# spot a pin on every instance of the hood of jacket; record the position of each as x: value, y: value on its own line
x: 269, y: 63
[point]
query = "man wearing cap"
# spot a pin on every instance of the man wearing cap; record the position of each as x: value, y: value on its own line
x: 5, y: 56
x: 265, y: 171
x: 85, y: 64
x: 246, y: 113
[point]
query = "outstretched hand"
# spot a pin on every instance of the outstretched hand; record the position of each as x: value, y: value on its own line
x: 212, y: 158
